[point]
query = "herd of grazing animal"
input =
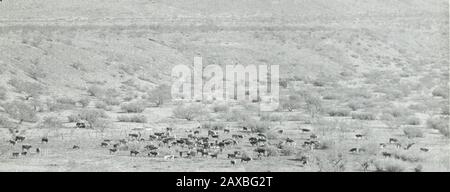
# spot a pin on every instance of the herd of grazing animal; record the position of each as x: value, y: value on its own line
x: 25, y: 148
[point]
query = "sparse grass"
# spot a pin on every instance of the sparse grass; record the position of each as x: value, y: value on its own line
x: 20, y: 111
x: 5, y: 122
x: 50, y: 122
x: 390, y: 165
x: 271, y: 117
x: 213, y: 126
x: 3, y: 93
x: 441, y: 91
x: 257, y: 126
x: 413, y: 121
x: 133, y: 118
x: 103, y: 105
x: 340, y: 112
x: 223, y: 108
x: 412, y: 132
x: 66, y: 101
x: 84, y: 101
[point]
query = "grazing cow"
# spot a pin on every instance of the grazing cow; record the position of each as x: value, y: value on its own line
x: 353, y: 150
x: 386, y: 154
x: 151, y: 147
x: 409, y: 146
x: 26, y: 147
x: 424, y: 149
x: 44, y: 140
x: 113, y: 150
x: 303, y: 160
x: 260, y: 150
x: 313, y: 136
x: 215, y: 155
x: 393, y: 140
x: 38, y: 150
x: 153, y: 153
x: 359, y: 136
x: 76, y: 147
x: 289, y: 140
x: 19, y: 138
x: 80, y: 125
x: 104, y: 144
x: 232, y: 155
x: 244, y: 128
x: 107, y: 140
x: 246, y: 159
x: 15, y: 154
x: 134, y: 135
x: 226, y: 130
x: 152, y: 137
x: 398, y: 145
x: 280, y: 131
x: 12, y: 142
x: 237, y: 136
x: 196, y: 132
x: 116, y: 145
x: 134, y: 152
x: 233, y: 162
x: 305, y: 130
x: 215, y: 136
x: 169, y: 129
x: 253, y: 143
x: 24, y: 153
x: 382, y: 145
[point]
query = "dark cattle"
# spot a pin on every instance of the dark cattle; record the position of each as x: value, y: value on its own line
x: 383, y: 145
x: 169, y: 129
x: 81, y: 125
x: 409, y: 146
x: 196, y: 132
x: 289, y: 140
x: 123, y: 141
x: 303, y: 160
x: 398, y: 145
x: 393, y: 140
x: 237, y: 153
x: 76, y: 147
x: 244, y: 128
x: 354, y: 150
x: 359, y: 136
x: 133, y: 135
x: 151, y: 147
x: 153, y: 137
x: 424, y: 149
x: 215, y: 136
x: 19, y: 138
x: 226, y: 131
x: 231, y: 155
x: 134, y: 152
x: 246, y: 159
x: 205, y: 153
x: 116, y: 145
x: 38, y: 150
x: 237, y: 136
x: 107, y: 140
x: 386, y: 154
x: 313, y: 136
x: 280, y: 131
x: 24, y: 153
x: 104, y: 144
x: 15, y: 154
x: 158, y: 134
x: 214, y: 155
x: 26, y: 147
x: 305, y: 130
x: 233, y: 162
x: 113, y: 150
x: 12, y: 142
x: 44, y: 140
x: 260, y: 150
x: 153, y: 153
x: 253, y: 143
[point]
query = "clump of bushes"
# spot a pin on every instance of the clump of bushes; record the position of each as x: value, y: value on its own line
x: 363, y: 116
x: 293, y: 102
x: 271, y: 117
x: 51, y: 122
x: 133, y: 107
x: 272, y: 151
x: 84, y: 101
x: 288, y: 151
x: 66, y: 101
x: 440, y: 124
x: 441, y: 91
x: 96, y: 91
x: 159, y: 95
x: 338, y: 112
x: 413, y: 121
x: 2, y: 93
x: 213, y: 126
x: 236, y: 115
x: 133, y: 118
x: 188, y: 112
x: 102, y: 105
x: 412, y: 132
x: 220, y: 108
x: 257, y: 126
x: 94, y: 117
x: 20, y: 111
x: 5, y: 122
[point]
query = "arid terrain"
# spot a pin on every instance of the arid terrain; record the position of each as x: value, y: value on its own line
x: 85, y: 84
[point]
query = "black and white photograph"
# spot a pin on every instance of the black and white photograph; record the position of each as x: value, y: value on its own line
x: 224, y: 86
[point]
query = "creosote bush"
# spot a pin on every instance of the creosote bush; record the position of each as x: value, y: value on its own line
x: 188, y: 111
x: 133, y: 118
x: 133, y: 107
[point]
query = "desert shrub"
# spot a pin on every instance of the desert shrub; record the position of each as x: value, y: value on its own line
x: 3, y: 93
x: 102, y: 105
x: 159, y: 95
x: 28, y: 88
x: 133, y: 118
x: 445, y: 110
x: 412, y: 132
x: 188, y: 112
x: 356, y: 104
x: 55, y: 106
x: 96, y: 91
x: 6, y: 123
x: 84, y: 101
x: 272, y: 151
x: 386, y: 117
x: 283, y: 83
x: 111, y: 101
x: 313, y: 104
x: 73, y: 118
x: 363, y: 115
x: 213, y: 125
x: 318, y: 83
x: 20, y: 111
x: 325, y: 144
x: 292, y: 103
x: 331, y: 96
x: 398, y: 112
x: 133, y: 107
x: 413, y: 121
x: 288, y: 151
x: 389, y: 165
x: 92, y: 116
x: 236, y: 115
x: 341, y: 112
x: 441, y: 91
x: 408, y: 156
x: 257, y: 126
x: 272, y: 135
x: 66, y: 101
x: 220, y: 108
x: 440, y: 124
x: 50, y: 122
x: 271, y: 117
